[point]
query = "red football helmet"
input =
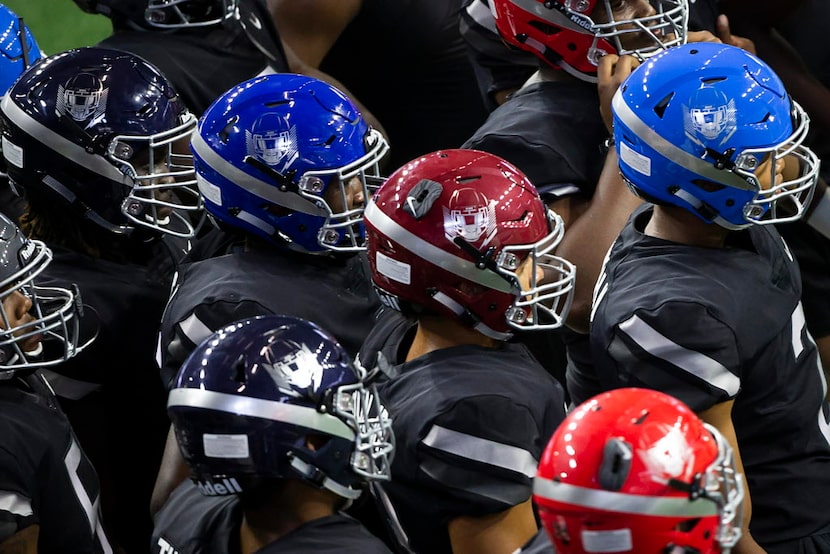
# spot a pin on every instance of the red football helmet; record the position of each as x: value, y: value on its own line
x: 448, y: 233
x: 635, y: 470
x: 574, y: 34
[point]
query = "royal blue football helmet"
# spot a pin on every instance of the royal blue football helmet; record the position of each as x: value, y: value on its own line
x: 693, y: 124
x: 53, y: 317
x: 107, y: 133
x: 251, y: 400
x: 279, y: 156
x: 18, y: 48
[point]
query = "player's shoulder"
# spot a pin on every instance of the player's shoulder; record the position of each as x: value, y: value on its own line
x: 189, y: 517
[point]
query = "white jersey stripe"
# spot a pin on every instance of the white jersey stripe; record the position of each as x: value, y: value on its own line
x: 482, y: 450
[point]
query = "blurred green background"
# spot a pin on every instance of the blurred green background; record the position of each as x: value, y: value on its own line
x: 60, y: 24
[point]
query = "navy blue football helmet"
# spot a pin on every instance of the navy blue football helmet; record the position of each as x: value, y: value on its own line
x: 279, y: 156
x: 53, y: 313
x: 164, y: 14
x: 249, y: 398
x: 693, y: 125
x: 18, y: 48
x: 107, y: 133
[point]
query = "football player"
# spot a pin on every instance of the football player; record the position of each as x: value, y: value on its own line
x: 459, y: 245
x: 700, y: 297
x: 280, y: 433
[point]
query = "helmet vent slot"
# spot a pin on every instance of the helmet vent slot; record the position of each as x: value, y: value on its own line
x: 660, y: 108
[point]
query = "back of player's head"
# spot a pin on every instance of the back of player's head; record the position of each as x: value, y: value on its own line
x: 463, y: 233
x: 162, y: 14
x: 635, y: 470
x: 18, y: 48
x: 38, y: 325
x: 575, y: 34
x: 276, y: 397
x: 99, y: 132
x: 290, y: 159
x: 694, y: 127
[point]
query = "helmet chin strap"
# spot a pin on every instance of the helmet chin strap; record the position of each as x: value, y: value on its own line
x: 320, y: 479
x: 469, y: 318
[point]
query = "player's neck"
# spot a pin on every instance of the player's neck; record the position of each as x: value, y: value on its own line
x: 678, y: 225
x: 296, y: 505
x: 438, y: 332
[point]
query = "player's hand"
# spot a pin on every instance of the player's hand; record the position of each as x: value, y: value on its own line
x: 612, y: 70
x: 727, y: 37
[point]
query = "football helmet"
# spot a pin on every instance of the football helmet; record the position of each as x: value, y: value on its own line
x: 693, y: 125
x: 449, y: 233
x: 279, y: 156
x: 18, y: 48
x: 107, y: 133
x: 52, y: 319
x: 574, y: 34
x: 276, y: 397
x: 165, y: 14
x: 635, y: 470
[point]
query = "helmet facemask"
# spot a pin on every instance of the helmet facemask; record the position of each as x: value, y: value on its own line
x: 176, y: 14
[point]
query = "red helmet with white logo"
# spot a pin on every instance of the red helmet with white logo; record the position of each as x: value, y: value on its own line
x: 448, y: 233
x: 575, y: 34
x: 635, y: 470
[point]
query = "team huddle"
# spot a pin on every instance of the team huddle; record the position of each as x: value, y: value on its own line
x: 230, y: 325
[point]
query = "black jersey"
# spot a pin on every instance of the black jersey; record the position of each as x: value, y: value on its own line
x: 336, y: 294
x: 470, y: 425
x: 539, y: 544
x: 707, y: 325
x: 45, y: 477
x: 204, y: 63
x: 192, y: 523
x: 111, y: 391
x: 561, y: 157
x: 422, y: 89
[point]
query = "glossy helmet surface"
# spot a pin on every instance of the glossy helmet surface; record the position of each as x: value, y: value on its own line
x: 165, y: 14
x: 635, y: 470
x: 274, y: 156
x: 248, y: 398
x: 18, y: 50
x: 447, y: 233
x: 692, y: 126
x: 102, y: 130
x: 575, y: 34
x: 54, y: 313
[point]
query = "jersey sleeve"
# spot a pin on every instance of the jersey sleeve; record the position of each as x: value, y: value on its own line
x: 481, y: 456
x: 679, y: 348
x: 186, y: 334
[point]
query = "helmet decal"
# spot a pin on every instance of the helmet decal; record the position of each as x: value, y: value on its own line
x: 471, y: 216
x: 298, y: 370
x: 82, y: 97
x: 710, y: 115
x: 271, y: 144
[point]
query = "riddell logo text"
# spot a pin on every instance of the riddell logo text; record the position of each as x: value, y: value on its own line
x: 226, y: 486
x: 166, y: 548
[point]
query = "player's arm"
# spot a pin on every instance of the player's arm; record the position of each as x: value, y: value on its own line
x: 589, y: 237
x: 720, y: 417
x: 495, y: 533
x: 309, y: 29
x: 22, y: 542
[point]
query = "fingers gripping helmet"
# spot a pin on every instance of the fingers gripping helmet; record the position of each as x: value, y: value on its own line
x: 283, y: 157
x: 575, y: 34
x: 635, y: 470
x: 18, y: 49
x: 693, y: 125
x: 248, y: 399
x: 53, y: 313
x: 103, y: 130
x: 449, y: 233
x: 165, y: 14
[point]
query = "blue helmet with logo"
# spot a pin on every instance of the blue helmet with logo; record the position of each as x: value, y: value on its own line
x: 290, y: 159
x: 105, y: 133
x: 693, y: 124
x: 276, y: 397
